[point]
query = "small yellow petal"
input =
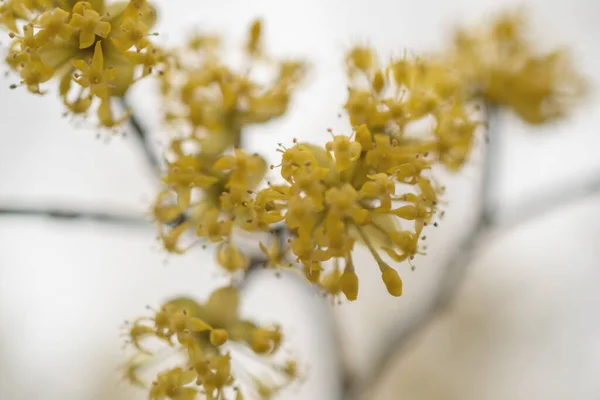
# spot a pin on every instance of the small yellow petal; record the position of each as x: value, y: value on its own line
x: 225, y: 163
x: 197, y: 325
x: 86, y: 39
x: 406, y: 212
x: 98, y: 59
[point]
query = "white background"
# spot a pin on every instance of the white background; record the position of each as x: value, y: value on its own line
x: 524, y: 325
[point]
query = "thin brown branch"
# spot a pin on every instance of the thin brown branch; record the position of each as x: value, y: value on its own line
x: 453, y: 272
x: 72, y: 214
x: 142, y: 136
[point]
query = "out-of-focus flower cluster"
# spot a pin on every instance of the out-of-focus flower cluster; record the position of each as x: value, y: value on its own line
x: 389, y: 98
x: 215, y: 343
x: 207, y: 186
x: 207, y: 194
x: 96, y: 50
x: 501, y: 63
x: 215, y: 99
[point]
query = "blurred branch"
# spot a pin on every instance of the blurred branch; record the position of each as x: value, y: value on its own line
x: 346, y: 378
x: 490, y: 217
x: 547, y: 200
x: 71, y: 214
x: 452, y: 273
x: 278, y: 233
x: 140, y: 133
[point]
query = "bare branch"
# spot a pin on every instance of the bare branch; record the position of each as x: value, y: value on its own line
x: 547, y: 200
x: 452, y: 273
x: 140, y: 133
x: 70, y: 214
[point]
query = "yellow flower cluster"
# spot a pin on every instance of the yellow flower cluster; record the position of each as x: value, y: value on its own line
x: 389, y: 99
x: 95, y: 45
x: 501, y: 64
x: 210, y: 193
x: 208, y: 188
x: 209, y: 336
x: 348, y: 192
x: 215, y: 101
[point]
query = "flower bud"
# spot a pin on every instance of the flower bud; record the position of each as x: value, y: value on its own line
x: 261, y: 343
x: 392, y: 281
x: 349, y: 285
x: 218, y: 337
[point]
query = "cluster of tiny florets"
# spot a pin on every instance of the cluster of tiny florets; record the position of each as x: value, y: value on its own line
x: 210, y: 337
x: 214, y: 101
x: 500, y: 63
x: 96, y: 50
x: 206, y: 194
x: 389, y: 98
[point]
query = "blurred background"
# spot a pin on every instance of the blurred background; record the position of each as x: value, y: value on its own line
x: 522, y: 324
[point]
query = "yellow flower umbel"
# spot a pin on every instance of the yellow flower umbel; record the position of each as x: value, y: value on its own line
x: 216, y: 101
x: 95, y: 45
x: 209, y: 194
x: 345, y: 193
x: 388, y: 99
x: 500, y: 64
x: 209, y: 336
x: 209, y: 180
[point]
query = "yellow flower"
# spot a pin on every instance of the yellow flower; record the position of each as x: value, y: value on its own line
x: 361, y: 60
x: 202, y: 332
x: 344, y: 151
x: 89, y: 24
x: 275, y: 255
x: 241, y: 167
x: 94, y: 76
x: 212, y: 227
x: 55, y: 23
x: 264, y: 209
x: 135, y: 33
x: 12, y: 11
x: 171, y: 384
x: 186, y: 172
x: 231, y: 258
x: 34, y: 73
